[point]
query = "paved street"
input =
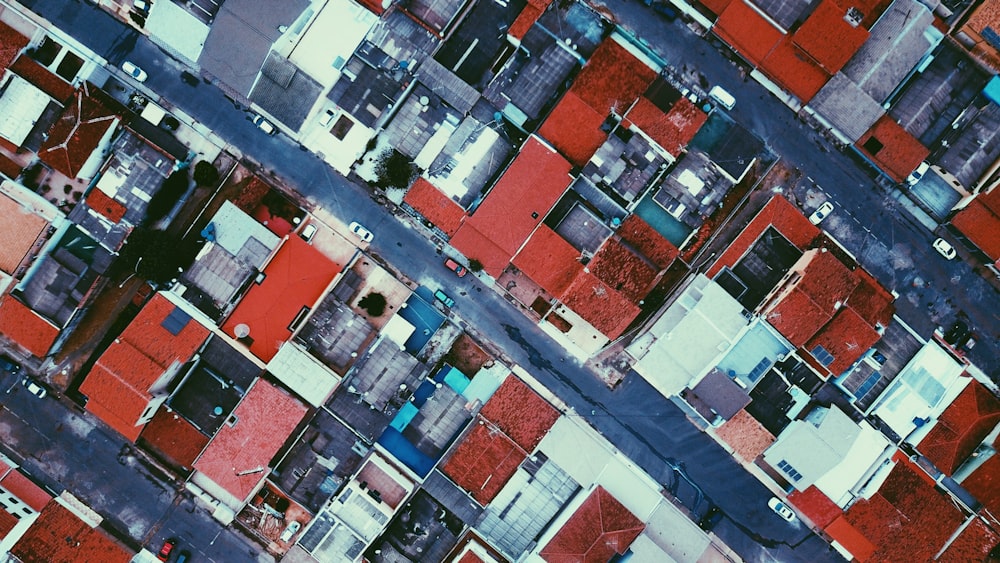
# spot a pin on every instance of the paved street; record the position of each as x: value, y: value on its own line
x: 642, y: 424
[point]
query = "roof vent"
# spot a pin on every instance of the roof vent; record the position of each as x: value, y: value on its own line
x: 242, y: 330
x: 854, y: 17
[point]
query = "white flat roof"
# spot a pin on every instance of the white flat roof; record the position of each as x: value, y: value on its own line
x: 332, y: 37
x: 303, y: 374
x: 177, y: 28
x: 21, y: 105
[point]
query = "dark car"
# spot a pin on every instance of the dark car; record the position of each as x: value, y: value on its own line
x: 183, y: 556
x: 167, y: 549
x: 190, y: 79
x: 711, y: 518
x: 958, y: 333
x: 9, y: 365
x: 454, y: 266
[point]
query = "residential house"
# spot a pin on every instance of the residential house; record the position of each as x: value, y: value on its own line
x: 599, y: 529
x: 68, y: 531
x: 978, y: 34
x: 77, y: 141
x: 31, y: 221
x: 977, y: 224
x: 22, y: 501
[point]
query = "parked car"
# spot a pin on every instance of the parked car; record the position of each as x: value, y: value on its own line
x: 945, y: 249
x: 290, y: 530
x: 454, y: 266
x: 326, y: 117
x: 308, y: 232
x: 263, y: 124
x: 711, y: 518
x: 134, y: 71
x: 9, y: 365
x: 817, y: 217
x: 781, y: 509
x: 167, y: 549
x: 443, y: 298
x: 917, y: 174
x: 189, y: 79
x: 34, y: 388
x: 360, y: 230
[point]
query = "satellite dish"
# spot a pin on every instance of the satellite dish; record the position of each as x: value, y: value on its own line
x: 242, y: 330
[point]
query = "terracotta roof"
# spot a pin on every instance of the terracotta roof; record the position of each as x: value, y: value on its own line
x: 747, y: 32
x: 174, y: 437
x: 374, y: 6
x: 58, y: 536
x: 26, y: 490
x: 619, y: 267
x: 435, y: 206
x: 647, y: 241
x: 237, y: 458
x: 980, y: 225
x: 906, y: 506
x: 745, y: 435
x: 484, y: 461
x: 898, y: 153
x: 986, y: 15
x: 672, y: 130
x: 828, y: 38
x: 117, y: 387
x: 26, y: 328
x: 851, y: 539
x: 549, y: 260
x: 604, y: 308
x: 11, y: 43
x: 528, y: 189
x: 815, y: 505
x: 984, y: 483
x: 780, y: 214
x: 794, y: 71
x: 105, y: 205
x: 574, y: 128
x: 520, y: 412
x: 961, y: 428
x: 612, y: 78
x: 294, y: 279
x: 798, y: 317
x: 973, y: 544
x: 20, y: 231
x: 716, y: 6
x: 527, y: 18
x: 870, y: 300
x: 846, y: 337
x: 47, y: 81
x: 599, y: 529
x: 78, y: 132
x: 8, y: 167
x: 7, y: 523
x: 477, y: 246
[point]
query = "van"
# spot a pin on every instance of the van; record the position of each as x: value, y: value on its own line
x: 719, y: 95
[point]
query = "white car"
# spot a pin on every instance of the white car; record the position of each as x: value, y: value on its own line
x: 781, y: 509
x: 34, y: 388
x: 263, y: 124
x: 363, y: 233
x: 944, y: 248
x: 917, y: 174
x: 134, y: 71
x: 817, y: 217
x: 290, y: 530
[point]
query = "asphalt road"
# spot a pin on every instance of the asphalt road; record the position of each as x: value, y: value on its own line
x: 642, y: 424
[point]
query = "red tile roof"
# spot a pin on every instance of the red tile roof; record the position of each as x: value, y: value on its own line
x: 574, y: 128
x: 828, y: 38
x: 237, y: 458
x: 24, y: 489
x: 870, y: 300
x: 374, y: 6
x: 900, y: 153
x: 105, y: 205
x: 961, y: 428
x: 815, y: 505
x: 527, y: 18
x: 980, y: 224
x: 528, y: 189
x: 295, y: 278
x: 26, y: 328
x: 906, y: 506
x: 984, y: 483
x: 58, y: 536
x: 435, y: 206
x: 7, y: 523
x: 484, y: 461
x: 847, y: 337
x: 595, y: 533
x: 780, y: 214
x: 118, y: 386
x: 477, y: 246
x: 973, y: 544
x: 612, y: 78
x: 43, y: 78
x: 604, y: 308
x: 647, y: 241
x: 549, y: 260
x: 797, y: 317
x: 174, y: 437
x: 716, y: 6
x: 851, y: 539
x: 747, y: 31
x: 794, y: 71
x: 520, y: 412
x: 11, y: 43
x: 78, y: 132
x: 672, y: 130
x: 620, y: 268
x: 8, y: 167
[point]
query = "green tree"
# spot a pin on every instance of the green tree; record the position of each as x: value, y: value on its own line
x: 374, y: 303
x: 156, y: 255
x: 205, y: 174
x: 167, y: 196
x: 394, y: 170
x: 475, y: 266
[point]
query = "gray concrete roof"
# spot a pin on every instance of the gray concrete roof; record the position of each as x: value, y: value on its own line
x: 847, y: 107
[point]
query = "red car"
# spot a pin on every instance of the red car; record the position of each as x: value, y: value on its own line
x: 168, y: 547
x: 454, y: 266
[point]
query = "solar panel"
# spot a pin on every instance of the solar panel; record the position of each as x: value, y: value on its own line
x: 175, y: 321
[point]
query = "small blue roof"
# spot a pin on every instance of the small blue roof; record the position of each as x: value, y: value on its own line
x: 992, y: 90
